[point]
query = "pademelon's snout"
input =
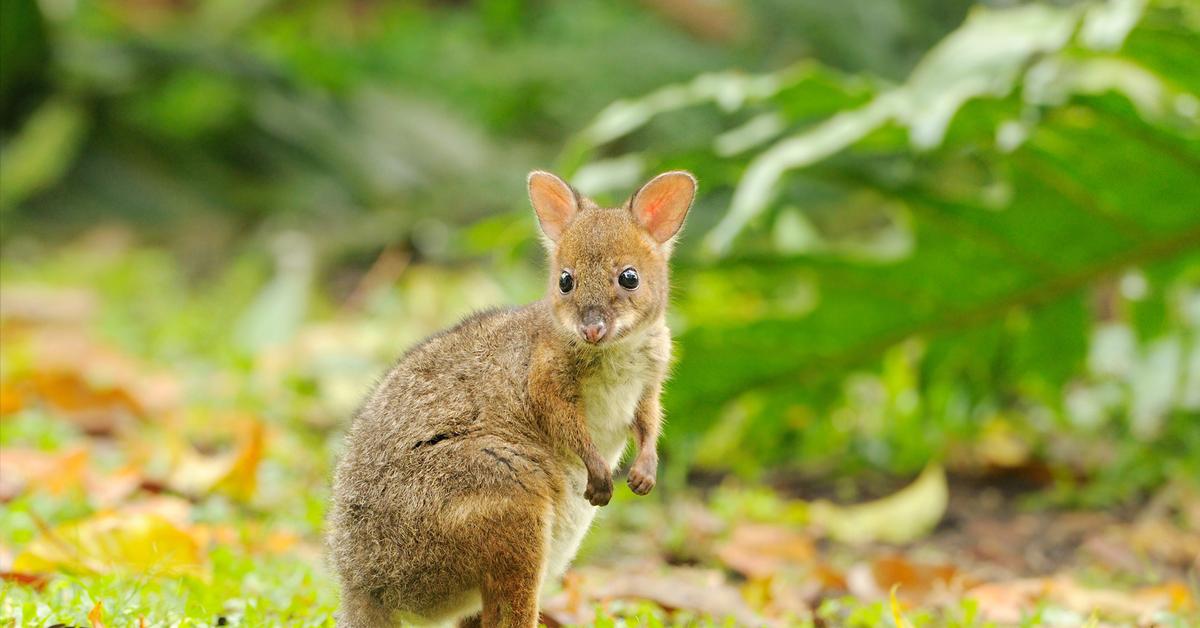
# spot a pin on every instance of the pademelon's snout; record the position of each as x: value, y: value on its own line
x: 593, y: 333
x: 592, y: 326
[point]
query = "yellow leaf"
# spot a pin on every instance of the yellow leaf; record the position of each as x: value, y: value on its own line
x: 908, y: 514
x: 895, y: 604
x: 235, y: 473
x: 11, y: 400
x: 112, y: 542
x: 242, y: 478
x: 96, y: 617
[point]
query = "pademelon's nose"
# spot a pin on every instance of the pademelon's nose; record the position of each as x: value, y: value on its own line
x: 593, y: 332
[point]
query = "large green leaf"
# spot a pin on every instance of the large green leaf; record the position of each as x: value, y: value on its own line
x: 1034, y: 154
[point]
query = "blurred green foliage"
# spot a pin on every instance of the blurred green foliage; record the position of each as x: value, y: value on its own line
x: 367, y: 121
x: 1000, y: 254
x: 987, y: 252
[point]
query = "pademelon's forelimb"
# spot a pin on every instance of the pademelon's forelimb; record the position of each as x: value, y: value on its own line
x: 647, y: 421
x: 561, y: 418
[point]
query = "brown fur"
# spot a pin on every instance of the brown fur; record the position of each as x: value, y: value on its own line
x: 465, y: 474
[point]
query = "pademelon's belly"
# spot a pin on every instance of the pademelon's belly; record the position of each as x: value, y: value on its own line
x: 609, y: 403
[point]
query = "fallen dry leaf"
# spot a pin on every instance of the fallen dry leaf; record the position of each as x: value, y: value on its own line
x: 108, y: 490
x: 177, y: 510
x: 96, y: 616
x: 906, y: 515
x: 11, y: 399
x: 30, y: 469
x: 760, y: 550
x: 280, y: 542
x: 234, y: 473
x: 242, y: 478
x: 698, y: 591
x: 210, y: 535
x: 37, y: 581
x: 1007, y: 602
x: 1174, y: 596
x: 917, y: 581
x: 37, y: 305
x: 97, y: 410
x: 85, y: 381
x: 113, y: 542
x: 1164, y: 542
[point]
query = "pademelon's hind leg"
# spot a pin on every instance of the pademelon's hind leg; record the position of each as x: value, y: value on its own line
x: 360, y: 609
x: 512, y: 576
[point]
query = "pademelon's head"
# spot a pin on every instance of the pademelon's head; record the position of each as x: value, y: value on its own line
x: 608, y: 266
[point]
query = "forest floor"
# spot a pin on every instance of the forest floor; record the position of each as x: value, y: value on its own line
x: 150, y: 476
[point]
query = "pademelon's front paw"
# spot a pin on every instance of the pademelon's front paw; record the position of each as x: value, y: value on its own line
x: 641, y: 476
x: 599, y: 488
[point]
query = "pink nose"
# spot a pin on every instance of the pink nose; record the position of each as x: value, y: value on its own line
x: 593, y: 332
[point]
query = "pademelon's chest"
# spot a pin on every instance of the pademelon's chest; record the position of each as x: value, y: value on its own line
x: 610, y: 392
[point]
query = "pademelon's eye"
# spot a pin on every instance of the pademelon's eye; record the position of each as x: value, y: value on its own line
x: 628, y: 279
x: 566, y: 282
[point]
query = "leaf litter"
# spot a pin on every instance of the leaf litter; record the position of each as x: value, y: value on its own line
x: 162, y: 495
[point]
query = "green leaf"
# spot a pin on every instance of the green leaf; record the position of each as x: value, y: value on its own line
x: 1048, y: 150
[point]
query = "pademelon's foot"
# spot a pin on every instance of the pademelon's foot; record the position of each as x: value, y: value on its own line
x: 641, y: 475
x: 599, y: 488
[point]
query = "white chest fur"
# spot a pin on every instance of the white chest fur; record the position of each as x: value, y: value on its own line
x: 610, y: 396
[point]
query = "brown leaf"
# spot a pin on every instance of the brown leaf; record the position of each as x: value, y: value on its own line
x: 917, y: 581
x: 30, y: 469
x: 97, y: 410
x: 35, y: 581
x: 280, y: 542
x: 11, y: 399
x: 1006, y: 602
x: 96, y: 617
x: 1164, y: 541
x: 108, y: 490
x: 242, y: 478
x: 74, y: 375
x: 789, y: 596
x: 699, y: 591
x: 1174, y: 596
x: 36, y: 305
x: 212, y: 534
x: 760, y: 550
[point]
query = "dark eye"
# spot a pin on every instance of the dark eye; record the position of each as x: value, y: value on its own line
x: 566, y: 282
x: 628, y: 279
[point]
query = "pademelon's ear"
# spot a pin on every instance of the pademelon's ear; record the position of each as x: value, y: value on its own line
x: 555, y: 202
x: 663, y: 202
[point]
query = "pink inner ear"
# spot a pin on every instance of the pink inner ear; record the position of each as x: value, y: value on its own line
x: 662, y: 204
x: 653, y: 205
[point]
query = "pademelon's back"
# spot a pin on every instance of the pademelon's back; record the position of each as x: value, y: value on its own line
x: 447, y: 427
x: 462, y: 384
